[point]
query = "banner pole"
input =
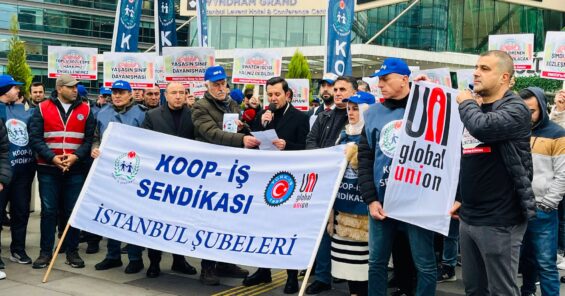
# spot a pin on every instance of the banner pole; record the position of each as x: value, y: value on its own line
x: 321, y: 234
x: 54, y: 257
x: 306, y: 278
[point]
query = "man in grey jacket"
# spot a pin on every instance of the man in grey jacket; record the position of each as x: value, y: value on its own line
x: 495, y: 178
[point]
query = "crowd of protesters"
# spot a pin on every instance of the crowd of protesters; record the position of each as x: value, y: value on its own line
x: 508, y: 216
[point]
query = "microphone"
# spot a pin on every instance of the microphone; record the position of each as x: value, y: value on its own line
x: 249, y: 115
x: 272, y: 108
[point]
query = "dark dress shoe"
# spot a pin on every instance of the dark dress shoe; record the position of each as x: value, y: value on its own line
x: 108, y: 263
x: 317, y: 287
x: 153, y: 271
x: 134, y: 266
x: 183, y: 267
x: 230, y: 270
x: 262, y: 275
x: 291, y: 285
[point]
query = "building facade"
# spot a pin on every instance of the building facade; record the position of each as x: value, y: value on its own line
x: 460, y: 26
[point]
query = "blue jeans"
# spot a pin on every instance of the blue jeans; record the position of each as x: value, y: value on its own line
x: 54, y: 188
x: 539, y: 254
x: 324, y: 260
x: 451, y: 244
x: 381, y: 234
x: 561, y: 236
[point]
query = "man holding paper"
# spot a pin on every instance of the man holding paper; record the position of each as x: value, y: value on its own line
x: 208, y: 117
x: 290, y: 123
x: 291, y: 126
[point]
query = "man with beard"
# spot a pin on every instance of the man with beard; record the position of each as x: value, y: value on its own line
x: 324, y: 133
x: 37, y: 93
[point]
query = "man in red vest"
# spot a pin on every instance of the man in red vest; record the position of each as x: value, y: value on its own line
x: 60, y: 133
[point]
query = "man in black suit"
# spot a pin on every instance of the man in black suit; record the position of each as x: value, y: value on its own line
x: 291, y: 126
x: 290, y: 123
x: 173, y: 118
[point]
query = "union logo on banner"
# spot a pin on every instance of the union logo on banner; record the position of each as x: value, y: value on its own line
x: 280, y: 189
x: 126, y: 167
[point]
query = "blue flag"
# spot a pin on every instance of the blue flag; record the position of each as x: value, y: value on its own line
x: 126, y: 26
x: 165, y: 31
x: 339, y: 21
x: 202, y: 23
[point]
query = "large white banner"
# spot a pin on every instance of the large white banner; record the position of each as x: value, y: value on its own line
x: 79, y: 62
x: 243, y: 206
x: 425, y: 170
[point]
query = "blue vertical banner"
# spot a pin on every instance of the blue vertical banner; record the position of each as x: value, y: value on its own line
x: 126, y: 26
x: 202, y: 23
x: 165, y: 31
x: 339, y: 22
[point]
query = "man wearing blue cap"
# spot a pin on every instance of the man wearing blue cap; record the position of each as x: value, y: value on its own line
x: 207, y: 116
x: 104, y: 100
x: 376, y: 151
x: 19, y: 194
x: 61, y: 131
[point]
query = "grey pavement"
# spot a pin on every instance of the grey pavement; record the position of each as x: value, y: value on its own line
x: 64, y: 280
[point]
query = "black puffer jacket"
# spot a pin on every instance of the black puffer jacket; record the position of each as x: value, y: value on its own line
x: 508, y: 127
x: 326, y: 129
x: 5, y: 168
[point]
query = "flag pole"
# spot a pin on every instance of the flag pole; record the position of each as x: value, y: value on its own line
x: 54, y: 257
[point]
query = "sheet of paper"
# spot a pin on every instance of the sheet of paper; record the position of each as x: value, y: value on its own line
x: 266, y: 137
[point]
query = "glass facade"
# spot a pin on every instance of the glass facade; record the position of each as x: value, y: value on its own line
x: 432, y: 25
x: 455, y: 25
x: 263, y: 31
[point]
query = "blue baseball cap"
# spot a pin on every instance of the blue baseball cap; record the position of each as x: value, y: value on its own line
x: 7, y: 80
x: 121, y: 84
x: 105, y: 91
x: 237, y: 95
x: 361, y: 97
x: 215, y: 73
x: 82, y: 90
x: 393, y: 65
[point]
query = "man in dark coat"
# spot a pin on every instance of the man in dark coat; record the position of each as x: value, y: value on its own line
x: 207, y: 115
x: 291, y: 126
x: 495, y: 178
x: 324, y: 133
x: 173, y: 118
x: 290, y: 123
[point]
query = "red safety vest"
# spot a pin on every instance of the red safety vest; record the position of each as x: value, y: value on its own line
x: 60, y: 137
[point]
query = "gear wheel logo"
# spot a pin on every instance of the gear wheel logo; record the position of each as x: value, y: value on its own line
x: 279, y: 189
